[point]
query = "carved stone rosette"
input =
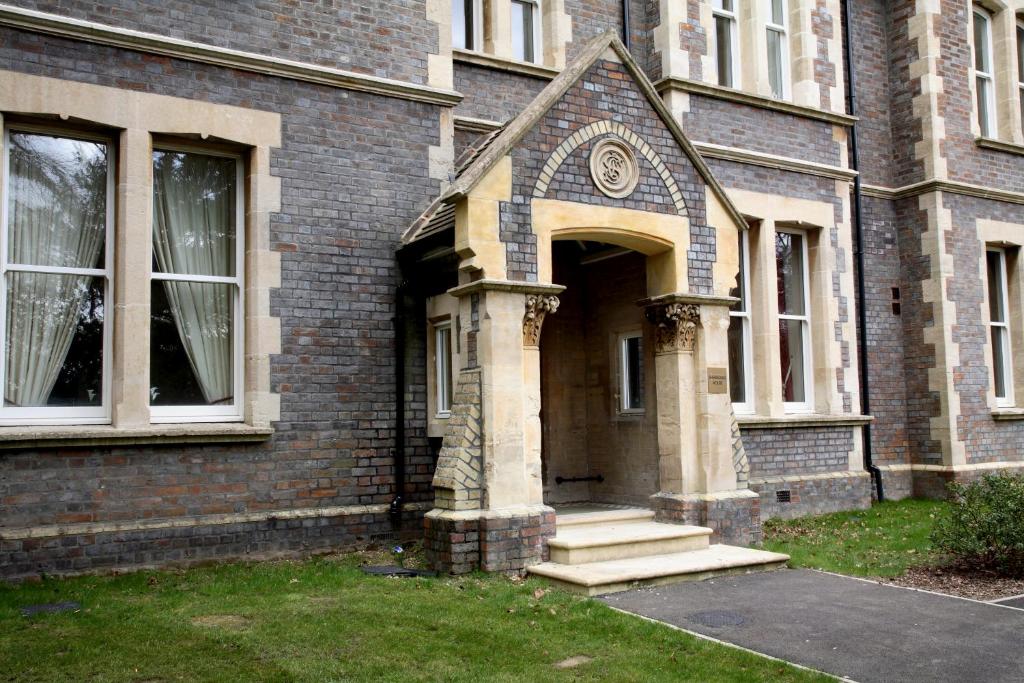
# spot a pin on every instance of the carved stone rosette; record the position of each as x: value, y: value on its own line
x: 675, y: 326
x: 537, y: 306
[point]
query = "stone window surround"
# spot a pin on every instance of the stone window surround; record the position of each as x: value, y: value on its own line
x: 1008, y: 237
x: 134, y: 120
x: 800, y: 87
x: 441, y: 309
x: 495, y: 48
x: 769, y: 213
x: 1009, y: 127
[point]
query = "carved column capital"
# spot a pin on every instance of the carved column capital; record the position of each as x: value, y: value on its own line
x: 675, y: 326
x: 537, y: 306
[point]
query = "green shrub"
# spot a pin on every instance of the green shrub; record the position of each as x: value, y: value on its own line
x: 985, y: 524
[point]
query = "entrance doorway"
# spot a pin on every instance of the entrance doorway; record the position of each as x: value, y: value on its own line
x: 599, y: 413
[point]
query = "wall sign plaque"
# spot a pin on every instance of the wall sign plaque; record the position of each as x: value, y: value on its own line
x: 613, y: 168
x: 718, y: 381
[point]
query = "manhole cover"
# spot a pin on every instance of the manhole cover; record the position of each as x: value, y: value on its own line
x: 51, y: 608
x: 716, y: 618
x: 394, y: 570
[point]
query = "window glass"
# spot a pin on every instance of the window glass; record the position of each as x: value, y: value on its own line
x: 443, y: 368
x: 995, y: 261
x: 57, y: 221
x: 632, y: 389
x: 794, y: 324
x: 195, y: 292
x: 790, y: 272
x: 523, y: 31
x: 725, y: 41
x: 739, y: 335
x: 775, y: 63
x: 464, y: 24
x: 1020, y: 69
x: 983, y: 84
x: 779, y: 12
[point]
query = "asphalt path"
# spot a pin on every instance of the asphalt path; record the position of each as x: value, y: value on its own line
x: 848, y: 627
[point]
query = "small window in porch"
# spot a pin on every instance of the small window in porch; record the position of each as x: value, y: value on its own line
x: 443, y: 368
x: 631, y: 360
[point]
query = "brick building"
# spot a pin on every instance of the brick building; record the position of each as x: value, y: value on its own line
x: 285, y: 277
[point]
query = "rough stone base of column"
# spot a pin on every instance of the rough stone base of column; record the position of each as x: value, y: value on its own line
x: 492, y: 541
x: 733, y: 516
x: 813, y: 494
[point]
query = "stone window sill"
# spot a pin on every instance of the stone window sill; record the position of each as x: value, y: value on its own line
x: 49, y: 436
x: 1001, y: 145
x: 810, y: 420
x: 1007, y: 414
x: 753, y: 100
x: 504, y: 64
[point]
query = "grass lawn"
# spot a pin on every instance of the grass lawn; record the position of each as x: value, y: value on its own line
x: 323, y: 620
x: 883, y: 541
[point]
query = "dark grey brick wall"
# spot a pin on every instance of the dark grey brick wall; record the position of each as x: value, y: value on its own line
x: 814, y: 496
x: 343, y: 208
x: 492, y: 94
x: 389, y: 39
x: 761, y: 130
x: 801, y: 450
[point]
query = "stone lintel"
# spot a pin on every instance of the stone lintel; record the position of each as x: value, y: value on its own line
x: 512, y: 286
x: 687, y: 298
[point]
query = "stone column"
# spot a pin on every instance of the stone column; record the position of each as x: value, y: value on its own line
x: 675, y: 329
x: 496, y: 521
x: 699, y: 483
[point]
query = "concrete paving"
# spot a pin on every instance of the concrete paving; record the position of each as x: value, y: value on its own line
x: 847, y: 627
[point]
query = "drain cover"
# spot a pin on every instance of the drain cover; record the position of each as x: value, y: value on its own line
x: 51, y: 608
x: 716, y: 618
x: 394, y: 570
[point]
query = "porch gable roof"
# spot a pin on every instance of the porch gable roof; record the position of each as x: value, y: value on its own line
x: 481, y: 157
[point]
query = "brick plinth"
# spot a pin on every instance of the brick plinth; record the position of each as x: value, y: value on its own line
x: 734, y: 516
x: 180, y: 546
x: 461, y: 542
x: 789, y: 497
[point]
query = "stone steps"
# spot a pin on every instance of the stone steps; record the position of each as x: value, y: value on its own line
x: 611, y: 576
x: 587, y: 543
x: 601, y: 516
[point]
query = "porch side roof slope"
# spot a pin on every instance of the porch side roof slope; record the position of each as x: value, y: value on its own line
x: 477, y: 161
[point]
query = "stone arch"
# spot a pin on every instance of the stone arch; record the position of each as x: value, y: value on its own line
x: 591, y: 131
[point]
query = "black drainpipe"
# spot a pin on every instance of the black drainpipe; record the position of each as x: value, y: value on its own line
x: 625, y: 24
x: 398, y: 453
x: 862, y: 325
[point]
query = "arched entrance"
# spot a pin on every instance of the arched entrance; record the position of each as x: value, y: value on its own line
x: 599, y: 414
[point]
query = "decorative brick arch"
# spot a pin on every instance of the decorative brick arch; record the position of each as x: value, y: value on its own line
x: 591, y: 131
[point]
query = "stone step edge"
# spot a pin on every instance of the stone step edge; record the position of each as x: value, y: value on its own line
x: 644, y: 572
x: 670, y: 533
x: 622, y: 516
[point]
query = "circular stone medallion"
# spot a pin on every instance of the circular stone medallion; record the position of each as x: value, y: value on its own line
x: 613, y: 168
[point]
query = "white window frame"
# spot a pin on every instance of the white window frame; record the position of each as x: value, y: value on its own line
x: 478, y: 27
x: 442, y: 369
x: 538, y: 37
x: 748, y: 406
x: 783, y: 30
x: 1007, y: 400
x: 624, y: 376
x: 807, y: 405
x: 986, y: 126
x: 1019, y: 43
x: 718, y: 12
x: 219, y: 413
x: 55, y: 415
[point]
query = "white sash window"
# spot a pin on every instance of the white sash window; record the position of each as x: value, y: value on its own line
x: 726, y: 42
x: 55, y: 245
x: 983, y: 73
x: 794, y: 319
x: 999, y: 327
x: 777, y: 36
x: 741, y: 361
x: 196, y: 304
x: 526, y: 37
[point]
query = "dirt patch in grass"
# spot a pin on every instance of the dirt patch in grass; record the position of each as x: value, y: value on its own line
x: 963, y: 582
x: 228, y: 622
x: 573, y: 662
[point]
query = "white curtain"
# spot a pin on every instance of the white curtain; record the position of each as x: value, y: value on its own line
x: 193, y: 234
x: 57, y: 217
